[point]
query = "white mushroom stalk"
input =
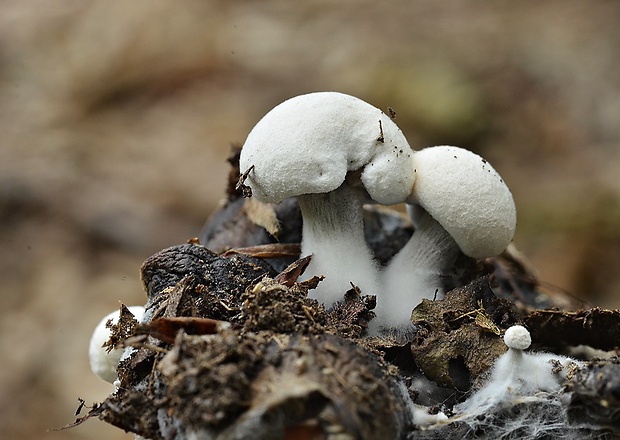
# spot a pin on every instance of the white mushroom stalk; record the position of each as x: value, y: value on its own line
x: 416, y: 272
x: 335, y: 237
x: 332, y: 151
x: 461, y: 204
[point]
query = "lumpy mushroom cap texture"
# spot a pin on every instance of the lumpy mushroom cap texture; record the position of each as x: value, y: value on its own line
x: 308, y: 144
x: 465, y: 194
x: 517, y: 337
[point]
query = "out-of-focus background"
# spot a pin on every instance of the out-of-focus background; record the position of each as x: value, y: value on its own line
x: 116, y: 118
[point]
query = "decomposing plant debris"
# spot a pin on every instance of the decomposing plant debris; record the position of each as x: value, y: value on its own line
x: 349, y: 317
x: 596, y: 327
x: 263, y: 385
x: 123, y: 329
x: 458, y: 337
x: 225, y: 278
x: 596, y: 394
x: 232, y: 347
x: 270, y: 305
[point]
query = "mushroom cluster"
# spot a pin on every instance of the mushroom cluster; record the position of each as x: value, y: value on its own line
x: 335, y: 152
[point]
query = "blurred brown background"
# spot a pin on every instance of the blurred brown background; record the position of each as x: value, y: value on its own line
x: 116, y: 118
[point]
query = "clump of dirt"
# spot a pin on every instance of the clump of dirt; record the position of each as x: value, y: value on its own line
x: 222, y: 276
x: 261, y: 385
x: 190, y: 280
x: 122, y: 330
x: 349, y: 317
x: 596, y: 393
x: 208, y: 378
x: 270, y: 305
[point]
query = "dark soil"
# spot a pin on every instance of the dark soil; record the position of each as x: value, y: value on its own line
x: 233, y: 348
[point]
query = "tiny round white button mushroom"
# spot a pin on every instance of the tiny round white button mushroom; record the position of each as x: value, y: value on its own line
x: 330, y: 150
x: 517, y: 337
x: 460, y: 204
x: 102, y: 362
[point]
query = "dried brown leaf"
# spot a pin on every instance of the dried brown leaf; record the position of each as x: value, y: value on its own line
x: 263, y: 215
x: 273, y: 250
x: 166, y: 329
x: 291, y: 274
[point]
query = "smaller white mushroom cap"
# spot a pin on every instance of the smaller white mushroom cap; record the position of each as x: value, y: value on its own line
x: 104, y: 364
x: 517, y: 337
x: 307, y: 144
x: 467, y: 197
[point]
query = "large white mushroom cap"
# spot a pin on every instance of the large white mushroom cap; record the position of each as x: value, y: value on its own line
x: 467, y: 197
x: 307, y: 144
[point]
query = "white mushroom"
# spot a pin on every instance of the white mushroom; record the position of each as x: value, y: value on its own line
x: 459, y: 204
x: 102, y: 362
x: 330, y: 150
x: 516, y: 374
x: 518, y: 338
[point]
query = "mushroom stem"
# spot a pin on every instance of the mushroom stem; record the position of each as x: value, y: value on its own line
x: 417, y: 271
x: 333, y: 232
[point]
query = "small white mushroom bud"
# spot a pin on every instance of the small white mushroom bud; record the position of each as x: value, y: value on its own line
x: 102, y: 362
x: 517, y: 337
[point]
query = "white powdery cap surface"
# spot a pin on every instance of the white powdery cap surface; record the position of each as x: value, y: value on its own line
x: 517, y: 337
x: 307, y: 144
x: 467, y: 197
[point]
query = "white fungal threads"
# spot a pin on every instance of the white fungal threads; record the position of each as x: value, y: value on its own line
x: 517, y: 374
x: 331, y: 151
x: 523, y: 394
x: 102, y: 363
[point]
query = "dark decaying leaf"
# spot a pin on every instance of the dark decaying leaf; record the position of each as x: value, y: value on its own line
x: 166, y: 329
x: 598, y: 328
x: 450, y: 347
x: 291, y: 274
x: 121, y: 330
